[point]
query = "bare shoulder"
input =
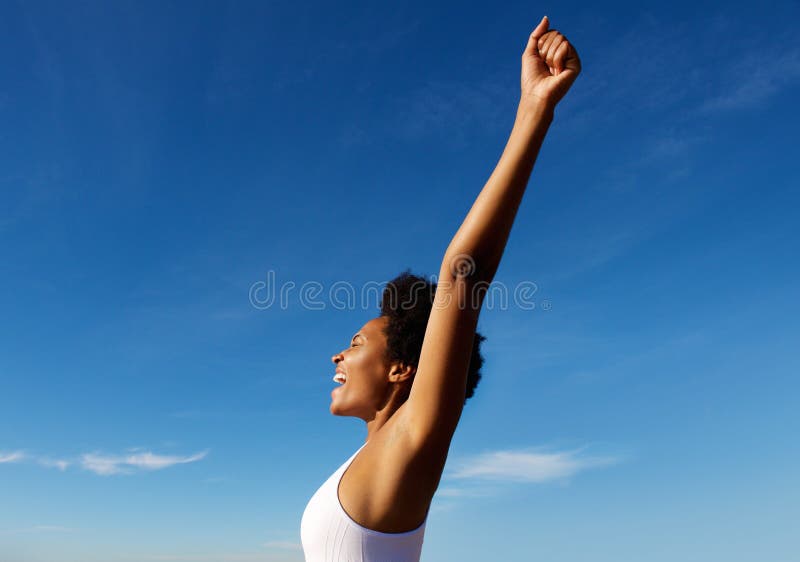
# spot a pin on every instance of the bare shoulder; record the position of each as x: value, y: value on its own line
x: 390, y: 484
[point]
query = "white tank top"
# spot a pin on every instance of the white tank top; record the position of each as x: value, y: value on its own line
x: 330, y: 535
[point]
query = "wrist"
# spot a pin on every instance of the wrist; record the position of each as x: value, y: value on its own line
x: 535, y: 107
x: 535, y: 112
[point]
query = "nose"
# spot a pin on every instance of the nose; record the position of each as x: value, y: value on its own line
x: 336, y: 358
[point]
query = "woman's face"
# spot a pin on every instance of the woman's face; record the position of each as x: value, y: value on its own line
x: 366, y: 372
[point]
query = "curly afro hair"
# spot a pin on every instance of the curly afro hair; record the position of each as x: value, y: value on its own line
x: 407, y: 301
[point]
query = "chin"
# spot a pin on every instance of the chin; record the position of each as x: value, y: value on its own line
x: 335, y: 409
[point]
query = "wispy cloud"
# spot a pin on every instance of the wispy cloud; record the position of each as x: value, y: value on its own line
x: 224, y: 557
x: 454, y: 109
x: 752, y: 79
x: 528, y: 465
x: 452, y: 492
x: 106, y: 465
x: 60, y: 464
x: 14, y: 456
x: 668, y: 87
x: 217, y: 557
x: 137, y: 459
x: 215, y: 480
x: 37, y: 529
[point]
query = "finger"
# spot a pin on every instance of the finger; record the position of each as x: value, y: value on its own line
x: 544, y: 38
x: 533, y: 40
x: 546, y: 54
x: 572, y: 67
x: 548, y: 41
x: 552, y: 48
x: 571, y: 60
x: 560, y: 55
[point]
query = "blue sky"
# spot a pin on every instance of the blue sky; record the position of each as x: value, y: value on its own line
x: 159, y: 161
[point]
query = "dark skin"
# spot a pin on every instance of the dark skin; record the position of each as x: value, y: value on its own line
x: 376, y: 391
x: 375, y: 388
x: 412, y: 412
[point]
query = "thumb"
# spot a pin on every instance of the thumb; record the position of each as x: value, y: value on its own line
x: 533, y: 40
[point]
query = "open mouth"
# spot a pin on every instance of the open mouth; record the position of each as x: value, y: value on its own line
x: 339, y: 378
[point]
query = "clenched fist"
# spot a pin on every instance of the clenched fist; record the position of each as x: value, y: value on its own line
x: 550, y: 65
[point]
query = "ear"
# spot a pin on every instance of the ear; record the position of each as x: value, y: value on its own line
x: 400, y: 372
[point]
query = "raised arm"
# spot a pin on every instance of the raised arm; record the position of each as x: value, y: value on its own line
x: 549, y: 67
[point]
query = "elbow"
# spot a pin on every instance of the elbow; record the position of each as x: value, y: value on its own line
x: 462, y: 282
x: 467, y: 266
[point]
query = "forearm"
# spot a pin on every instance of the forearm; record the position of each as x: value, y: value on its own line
x: 486, y: 228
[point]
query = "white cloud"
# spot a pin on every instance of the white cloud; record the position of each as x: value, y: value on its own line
x: 451, y: 492
x: 106, y: 465
x: 136, y: 460
x: 219, y: 557
x: 14, y: 456
x: 528, y: 466
x: 149, y: 461
x: 103, y: 465
x: 60, y: 464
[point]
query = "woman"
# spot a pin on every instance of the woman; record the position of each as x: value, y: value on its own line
x: 408, y: 372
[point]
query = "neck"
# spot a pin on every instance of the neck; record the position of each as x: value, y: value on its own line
x: 397, y: 398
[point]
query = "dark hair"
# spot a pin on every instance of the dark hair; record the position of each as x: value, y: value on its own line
x: 407, y: 302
